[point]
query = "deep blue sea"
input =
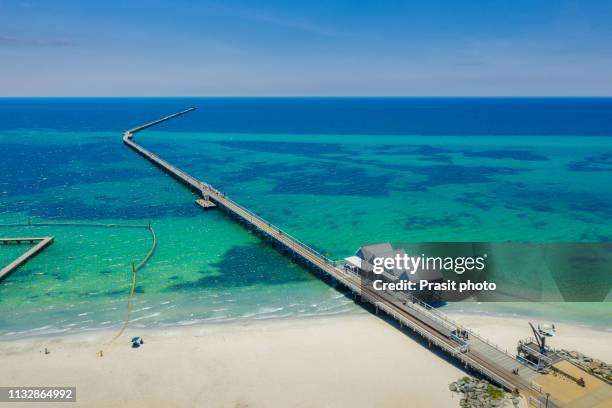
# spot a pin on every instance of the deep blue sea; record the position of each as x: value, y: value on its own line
x: 334, y: 172
x: 370, y: 116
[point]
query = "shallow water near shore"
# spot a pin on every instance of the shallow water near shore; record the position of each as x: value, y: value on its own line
x: 332, y: 191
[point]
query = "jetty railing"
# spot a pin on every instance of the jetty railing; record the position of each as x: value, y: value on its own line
x: 451, y: 323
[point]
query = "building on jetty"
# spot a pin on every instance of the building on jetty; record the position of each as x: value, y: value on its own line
x: 362, y: 264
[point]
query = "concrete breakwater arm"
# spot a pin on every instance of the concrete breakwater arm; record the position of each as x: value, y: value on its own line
x: 41, y: 243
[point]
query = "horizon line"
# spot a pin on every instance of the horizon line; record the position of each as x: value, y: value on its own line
x: 308, y: 96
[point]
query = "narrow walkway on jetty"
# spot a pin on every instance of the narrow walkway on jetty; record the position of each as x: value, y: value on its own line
x: 41, y: 243
x: 482, y: 356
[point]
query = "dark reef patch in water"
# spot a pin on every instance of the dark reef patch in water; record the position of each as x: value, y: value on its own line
x: 421, y: 152
x: 524, y: 155
x: 479, y: 202
x: 343, y: 175
x: 436, y: 174
x: 244, y: 266
x: 554, y: 200
x: 333, y: 180
x: 519, y: 197
x: 601, y: 162
x: 52, y: 165
x: 256, y: 171
x: 279, y: 147
x: 440, y: 175
x: 441, y: 154
x: 424, y: 223
x: 199, y: 156
x: 106, y: 198
x: 317, y: 178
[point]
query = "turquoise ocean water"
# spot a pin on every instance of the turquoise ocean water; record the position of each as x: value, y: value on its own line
x: 334, y: 191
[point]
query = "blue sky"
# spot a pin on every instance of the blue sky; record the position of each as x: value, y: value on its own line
x: 267, y: 48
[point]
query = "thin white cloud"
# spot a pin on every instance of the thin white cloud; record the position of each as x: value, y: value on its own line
x: 8, y: 40
x: 283, y: 21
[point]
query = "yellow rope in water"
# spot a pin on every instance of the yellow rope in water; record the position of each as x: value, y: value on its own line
x: 130, y: 302
x: 132, y: 291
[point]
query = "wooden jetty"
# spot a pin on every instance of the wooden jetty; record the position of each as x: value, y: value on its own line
x: 158, y: 121
x: 482, y: 356
x: 41, y: 243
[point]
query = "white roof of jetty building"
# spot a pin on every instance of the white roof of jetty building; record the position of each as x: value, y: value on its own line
x: 354, y: 260
x: 369, y: 252
x: 364, y: 257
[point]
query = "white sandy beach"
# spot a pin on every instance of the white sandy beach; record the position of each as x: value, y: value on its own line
x: 346, y: 361
x: 357, y: 361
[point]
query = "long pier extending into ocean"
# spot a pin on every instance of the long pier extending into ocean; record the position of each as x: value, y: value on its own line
x: 481, y: 355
